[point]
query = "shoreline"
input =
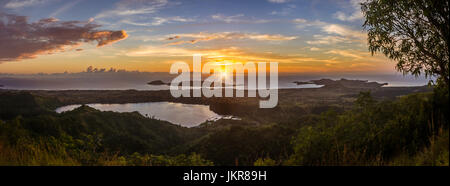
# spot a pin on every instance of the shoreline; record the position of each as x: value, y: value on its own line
x: 238, y: 106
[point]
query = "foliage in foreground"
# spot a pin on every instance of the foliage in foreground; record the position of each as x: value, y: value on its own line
x: 28, y: 150
x: 413, y: 130
x: 31, y: 134
x: 413, y: 33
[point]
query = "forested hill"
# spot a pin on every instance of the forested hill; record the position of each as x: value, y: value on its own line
x: 408, y: 130
x: 31, y: 128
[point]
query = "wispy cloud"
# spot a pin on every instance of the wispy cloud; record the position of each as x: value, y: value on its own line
x: 65, y: 7
x: 15, y: 4
x: 238, y: 18
x: 22, y: 40
x: 302, y: 23
x: 133, y: 7
x: 230, y: 53
x: 327, y: 40
x: 140, y: 13
x: 278, y: 1
x: 333, y: 33
x: 236, y: 54
x: 228, y: 19
x: 355, y: 15
x: 158, y: 51
x: 344, y: 31
x: 163, y: 20
x: 158, y: 21
x: 347, y: 53
x: 338, y: 34
x: 314, y: 49
x: 353, y: 59
x: 284, y: 11
x: 204, y: 36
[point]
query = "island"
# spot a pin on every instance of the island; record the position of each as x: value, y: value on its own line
x: 343, y: 83
x: 157, y: 82
x: 302, y: 82
x: 191, y: 83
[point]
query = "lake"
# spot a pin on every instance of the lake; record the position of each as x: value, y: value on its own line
x: 187, y: 115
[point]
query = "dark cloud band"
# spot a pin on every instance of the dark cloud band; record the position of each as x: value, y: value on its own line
x: 20, y: 39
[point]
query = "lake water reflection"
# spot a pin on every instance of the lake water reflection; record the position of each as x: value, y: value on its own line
x: 188, y: 115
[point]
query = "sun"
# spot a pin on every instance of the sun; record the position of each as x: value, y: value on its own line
x: 223, y: 75
x: 222, y: 70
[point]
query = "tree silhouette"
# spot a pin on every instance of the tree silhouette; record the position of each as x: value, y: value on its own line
x: 415, y: 33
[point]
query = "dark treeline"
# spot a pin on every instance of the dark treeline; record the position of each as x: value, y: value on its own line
x: 412, y: 130
x: 32, y: 134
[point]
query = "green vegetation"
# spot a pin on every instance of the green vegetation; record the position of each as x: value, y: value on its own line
x: 412, y: 130
x: 408, y: 130
x: 413, y: 33
x: 32, y: 134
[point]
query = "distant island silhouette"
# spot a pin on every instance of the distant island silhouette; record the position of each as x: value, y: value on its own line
x: 157, y: 82
x: 160, y: 82
x: 345, y: 83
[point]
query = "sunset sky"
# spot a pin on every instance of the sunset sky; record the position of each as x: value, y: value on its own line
x: 317, y: 36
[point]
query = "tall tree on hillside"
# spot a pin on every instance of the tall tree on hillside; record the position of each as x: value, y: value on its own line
x: 415, y: 33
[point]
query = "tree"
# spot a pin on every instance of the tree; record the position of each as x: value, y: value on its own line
x: 365, y: 100
x: 415, y: 33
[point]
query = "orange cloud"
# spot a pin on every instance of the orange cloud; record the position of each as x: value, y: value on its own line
x: 106, y: 37
x: 22, y: 40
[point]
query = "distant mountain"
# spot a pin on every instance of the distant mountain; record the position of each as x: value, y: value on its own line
x: 157, y: 82
x: 343, y: 83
